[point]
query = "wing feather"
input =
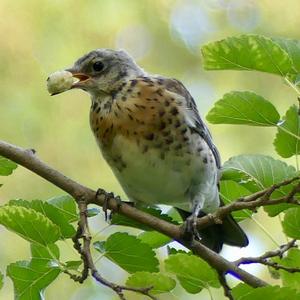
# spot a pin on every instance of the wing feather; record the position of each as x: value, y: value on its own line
x: 193, y: 117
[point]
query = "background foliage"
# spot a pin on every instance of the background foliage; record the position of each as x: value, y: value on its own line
x: 38, y: 37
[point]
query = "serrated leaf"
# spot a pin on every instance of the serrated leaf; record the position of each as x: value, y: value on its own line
x: 256, y: 172
x: 244, y: 292
x: 193, y: 273
x: 160, y: 282
x: 259, y: 171
x: 291, y: 222
x: 6, y: 166
x: 247, y: 52
x: 287, y: 144
x: 49, y: 211
x: 292, y: 48
x: 29, y: 224
x: 231, y: 191
x: 154, y: 239
x: 130, y: 253
x: 67, y: 206
x: 292, y: 260
x: 118, y: 219
x: 172, y: 250
x: 243, y: 108
x: 31, y: 278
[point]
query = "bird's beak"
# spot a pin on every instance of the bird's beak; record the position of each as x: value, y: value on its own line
x: 61, y: 81
x: 81, y: 78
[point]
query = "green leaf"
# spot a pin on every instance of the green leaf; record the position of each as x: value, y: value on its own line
x: 160, y: 282
x: 31, y: 278
x: 292, y: 48
x: 243, y: 108
x: 73, y: 264
x: 1, y: 280
x: 67, y: 206
x: 99, y: 246
x: 172, y: 251
x: 231, y: 191
x: 247, y: 52
x: 29, y: 224
x: 286, y: 144
x: 130, y: 253
x: 118, y: 219
x: 193, y: 273
x: 50, y: 251
x: 256, y: 172
x: 6, y: 166
x: 291, y: 222
x: 274, y: 210
x: 240, y: 290
x: 244, y: 292
x: 154, y: 239
x: 292, y: 260
x: 51, y: 212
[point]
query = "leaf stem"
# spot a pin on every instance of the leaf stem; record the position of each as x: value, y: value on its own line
x: 292, y: 85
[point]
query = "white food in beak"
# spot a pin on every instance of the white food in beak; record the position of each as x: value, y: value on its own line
x: 60, y: 81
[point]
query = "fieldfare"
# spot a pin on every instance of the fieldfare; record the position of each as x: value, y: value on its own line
x: 149, y: 131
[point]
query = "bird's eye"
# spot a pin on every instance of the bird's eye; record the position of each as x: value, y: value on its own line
x: 98, y: 66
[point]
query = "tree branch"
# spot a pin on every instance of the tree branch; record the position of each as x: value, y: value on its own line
x: 85, y: 252
x: 264, y: 259
x: 82, y: 194
x: 258, y: 199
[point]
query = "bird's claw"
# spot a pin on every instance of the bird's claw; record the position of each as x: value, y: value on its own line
x: 107, y: 197
x: 190, y: 229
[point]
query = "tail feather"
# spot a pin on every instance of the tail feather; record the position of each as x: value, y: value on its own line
x: 233, y: 234
x: 214, y: 236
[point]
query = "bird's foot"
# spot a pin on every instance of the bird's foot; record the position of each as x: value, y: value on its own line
x: 190, y: 229
x: 107, y: 197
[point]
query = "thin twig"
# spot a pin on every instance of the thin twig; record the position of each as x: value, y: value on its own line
x: 226, y: 287
x: 258, y: 199
x: 264, y: 259
x: 85, y: 252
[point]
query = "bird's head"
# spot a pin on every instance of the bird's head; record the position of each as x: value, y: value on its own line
x: 101, y: 71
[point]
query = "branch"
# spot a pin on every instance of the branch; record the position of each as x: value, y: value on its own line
x: 264, y: 259
x: 85, y: 252
x: 252, y: 202
x: 82, y: 194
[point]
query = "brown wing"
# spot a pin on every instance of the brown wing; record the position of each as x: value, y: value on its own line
x: 198, y: 126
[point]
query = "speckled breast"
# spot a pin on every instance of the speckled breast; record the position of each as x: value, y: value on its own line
x: 144, y: 137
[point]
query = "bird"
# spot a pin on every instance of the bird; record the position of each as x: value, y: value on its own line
x: 149, y: 131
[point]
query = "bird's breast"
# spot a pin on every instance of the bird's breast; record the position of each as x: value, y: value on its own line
x: 143, y: 136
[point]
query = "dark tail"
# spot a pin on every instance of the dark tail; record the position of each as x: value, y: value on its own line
x: 214, y: 236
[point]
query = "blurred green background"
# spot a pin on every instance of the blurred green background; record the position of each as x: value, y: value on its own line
x: 39, y: 37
